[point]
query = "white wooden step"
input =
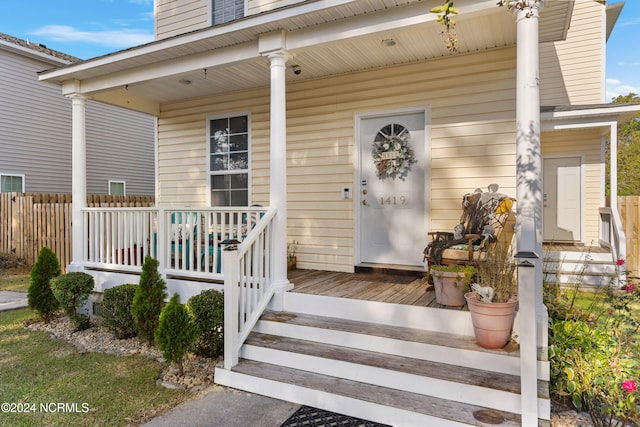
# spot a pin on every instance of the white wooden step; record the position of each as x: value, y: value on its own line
x: 457, y: 383
x: 418, y: 343
x: 371, y: 402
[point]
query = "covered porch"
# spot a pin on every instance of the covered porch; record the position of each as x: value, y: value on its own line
x: 245, y: 66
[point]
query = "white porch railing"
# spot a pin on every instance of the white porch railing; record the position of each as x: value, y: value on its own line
x: 612, y: 233
x: 186, y: 241
x: 248, y: 286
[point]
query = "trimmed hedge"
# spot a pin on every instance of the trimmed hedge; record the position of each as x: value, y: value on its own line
x: 207, y: 309
x: 116, y: 311
x: 72, y: 290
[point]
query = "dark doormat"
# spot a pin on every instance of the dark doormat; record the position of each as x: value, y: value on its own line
x: 307, y: 416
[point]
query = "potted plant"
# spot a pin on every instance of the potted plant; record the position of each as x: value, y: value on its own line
x: 292, y: 260
x: 493, y: 299
x: 451, y: 282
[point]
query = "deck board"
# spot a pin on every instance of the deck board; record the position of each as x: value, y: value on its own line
x: 368, y: 287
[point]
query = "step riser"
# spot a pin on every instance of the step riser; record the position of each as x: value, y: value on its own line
x: 460, y: 357
x: 406, y: 316
x: 458, y: 392
x: 570, y: 279
x: 578, y: 256
x: 572, y: 268
x: 331, y: 402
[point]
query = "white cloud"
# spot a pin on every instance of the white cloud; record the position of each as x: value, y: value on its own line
x: 616, y: 88
x: 122, y: 38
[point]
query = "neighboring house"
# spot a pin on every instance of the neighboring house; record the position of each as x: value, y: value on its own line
x: 286, y: 104
x: 35, y: 131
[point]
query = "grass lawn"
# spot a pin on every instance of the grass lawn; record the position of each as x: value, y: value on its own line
x: 14, y: 279
x: 99, y: 389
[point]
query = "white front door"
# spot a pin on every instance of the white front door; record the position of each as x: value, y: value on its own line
x: 391, y: 193
x: 562, y: 199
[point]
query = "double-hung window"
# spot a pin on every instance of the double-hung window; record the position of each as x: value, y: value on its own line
x: 11, y: 183
x: 228, y: 151
x: 227, y: 10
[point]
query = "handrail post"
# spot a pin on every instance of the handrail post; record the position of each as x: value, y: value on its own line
x: 231, y: 295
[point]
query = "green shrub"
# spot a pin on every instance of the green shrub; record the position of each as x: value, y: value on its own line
x: 116, y: 311
x: 39, y: 295
x: 176, y: 332
x: 148, y: 300
x: 207, y: 309
x: 72, y: 290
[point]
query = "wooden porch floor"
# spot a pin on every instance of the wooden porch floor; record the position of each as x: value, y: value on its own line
x: 392, y: 288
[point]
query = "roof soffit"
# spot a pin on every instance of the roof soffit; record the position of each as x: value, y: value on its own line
x: 233, y: 62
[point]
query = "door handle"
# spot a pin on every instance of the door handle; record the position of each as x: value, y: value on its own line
x: 365, y: 203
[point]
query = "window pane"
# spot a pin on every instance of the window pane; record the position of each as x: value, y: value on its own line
x: 10, y: 184
x: 238, y: 124
x: 239, y: 142
x: 219, y: 182
x: 219, y: 162
x: 220, y: 198
x: 219, y: 125
x: 116, y: 188
x: 238, y: 161
x: 240, y: 180
x: 239, y: 198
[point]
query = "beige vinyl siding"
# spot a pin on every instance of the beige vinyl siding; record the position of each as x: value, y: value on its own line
x: 571, y: 71
x: 175, y: 17
x: 586, y: 144
x: 471, y: 100
x: 258, y: 6
x: 35, y: 136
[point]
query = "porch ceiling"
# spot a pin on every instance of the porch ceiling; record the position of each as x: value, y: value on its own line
x: 340, y: 39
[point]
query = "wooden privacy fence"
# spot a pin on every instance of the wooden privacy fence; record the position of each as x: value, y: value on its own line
x: 629, y: 207
x: 29, y: 221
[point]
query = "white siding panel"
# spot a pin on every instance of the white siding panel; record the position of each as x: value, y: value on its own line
x: 571, y: 71
x: 258, y: 6
x: 174, y: 17
x: 472, y: 102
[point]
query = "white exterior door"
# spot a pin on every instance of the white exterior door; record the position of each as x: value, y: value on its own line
x: 391, y: 193
x: 562, y: 199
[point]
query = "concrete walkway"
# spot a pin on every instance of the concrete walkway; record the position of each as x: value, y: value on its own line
x: 10, y: 300
x: 227, y: 407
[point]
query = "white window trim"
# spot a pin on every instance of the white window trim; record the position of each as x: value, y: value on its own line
x: 13, y: 175
x: 208, y: 151
x: 114, y: 181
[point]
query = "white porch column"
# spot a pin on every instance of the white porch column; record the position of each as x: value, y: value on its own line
x: 272, y: 46
x: 78, y: 179
x: 613, y: 167
x: 532, y: 313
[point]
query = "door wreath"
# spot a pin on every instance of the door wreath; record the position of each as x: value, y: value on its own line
x: 392, y: 152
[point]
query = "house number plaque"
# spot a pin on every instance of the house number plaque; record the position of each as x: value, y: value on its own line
x: 393, y: 200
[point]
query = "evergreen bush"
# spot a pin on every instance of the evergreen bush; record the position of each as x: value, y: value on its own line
x: 176, y: 332
x: 148, y: 300
x: 207, y: 309
x: 39, y: 295
x: 116, y: 311
x: 72, y: 290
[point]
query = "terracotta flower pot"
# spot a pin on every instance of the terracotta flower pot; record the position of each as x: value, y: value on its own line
x: 492, y: 321
x: 449, y: 287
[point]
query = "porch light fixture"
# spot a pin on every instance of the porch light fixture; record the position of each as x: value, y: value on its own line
x: 388, y: 42
x: 184, y: 81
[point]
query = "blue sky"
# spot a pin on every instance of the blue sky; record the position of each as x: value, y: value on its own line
x: 89, y: 28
